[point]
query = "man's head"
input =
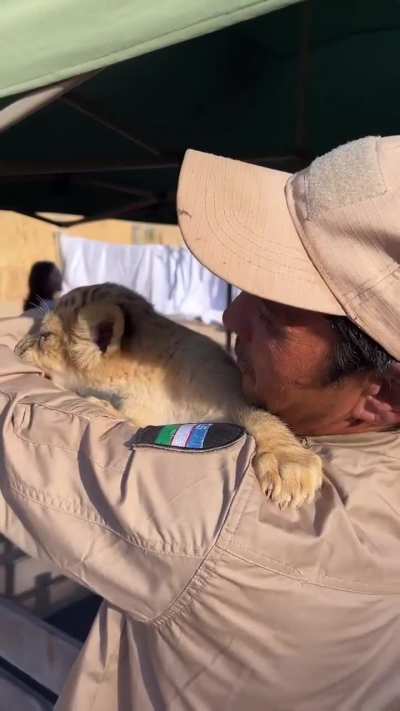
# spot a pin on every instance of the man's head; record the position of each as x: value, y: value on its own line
x: 317, y: 255
x: 320, y: 373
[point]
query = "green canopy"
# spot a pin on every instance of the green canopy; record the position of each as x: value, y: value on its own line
x: 44, y: 41
x: 102, y: 97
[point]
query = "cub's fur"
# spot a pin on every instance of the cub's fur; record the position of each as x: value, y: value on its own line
x: 106, y: 341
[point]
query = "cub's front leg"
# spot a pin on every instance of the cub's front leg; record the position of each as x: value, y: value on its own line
x: 103, y: 404
x: 288, y: 474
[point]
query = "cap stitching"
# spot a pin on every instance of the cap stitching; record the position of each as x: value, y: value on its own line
x: 298, y: 224
x: 228, y: 247
x: 248, y: 230
x: 365, y: 292
x: 349, y: 299
x: 251, y: 234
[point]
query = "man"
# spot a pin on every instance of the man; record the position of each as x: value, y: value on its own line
x: 214, y: 597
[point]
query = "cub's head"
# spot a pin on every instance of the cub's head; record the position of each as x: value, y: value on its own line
x: 88, y: 327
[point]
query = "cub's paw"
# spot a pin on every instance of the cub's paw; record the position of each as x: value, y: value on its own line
x: 289, y: 476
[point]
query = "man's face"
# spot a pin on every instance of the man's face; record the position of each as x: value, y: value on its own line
x: 285, y: 355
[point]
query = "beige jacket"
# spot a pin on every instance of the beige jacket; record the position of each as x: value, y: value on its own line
x: 214, y: 598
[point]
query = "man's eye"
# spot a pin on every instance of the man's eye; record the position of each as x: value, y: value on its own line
x: 43, y: 338
x: 272, y: 325
x: 265, y: 316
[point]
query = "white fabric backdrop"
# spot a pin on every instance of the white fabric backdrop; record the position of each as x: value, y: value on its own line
x: 171, y: 278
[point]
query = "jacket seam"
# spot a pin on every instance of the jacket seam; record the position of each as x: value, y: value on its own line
x: 71, y: 413
x: 7, y: 395
x: 206, y: 568
x: 266, y: 561
x: 99, y: 522
x: 106, y: 667
x: 306, y: 581
x: 67, y: 450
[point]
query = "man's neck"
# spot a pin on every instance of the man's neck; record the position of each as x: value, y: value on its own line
x: 335, y: 428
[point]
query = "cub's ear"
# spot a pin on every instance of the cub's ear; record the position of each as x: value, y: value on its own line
x: 103, y: 325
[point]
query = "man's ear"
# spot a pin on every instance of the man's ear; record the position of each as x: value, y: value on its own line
x: 103, y: 325
x: 380, y: 403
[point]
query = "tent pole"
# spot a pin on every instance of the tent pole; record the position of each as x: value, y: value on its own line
x: 115, y: 212
x: 34, y: 101
x: 10, y: 168
x: 98, y: 116
x: 110, y: 213
x: 125, y: 189
x: 303, y: 80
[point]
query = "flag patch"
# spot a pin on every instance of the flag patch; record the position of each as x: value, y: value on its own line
x: 191, y: 436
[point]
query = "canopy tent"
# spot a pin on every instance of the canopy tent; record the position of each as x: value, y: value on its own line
x: 134, y: 83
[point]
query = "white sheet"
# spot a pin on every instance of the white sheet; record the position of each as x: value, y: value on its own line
x: 171, y: 278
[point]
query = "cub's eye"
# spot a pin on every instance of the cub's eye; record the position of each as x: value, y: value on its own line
x: 43, y: 338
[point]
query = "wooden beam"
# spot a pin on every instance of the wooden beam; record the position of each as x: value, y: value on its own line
x: 15, y: 694
x: 36, y: 648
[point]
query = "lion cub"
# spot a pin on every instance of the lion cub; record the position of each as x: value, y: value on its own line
x: 107, y: 342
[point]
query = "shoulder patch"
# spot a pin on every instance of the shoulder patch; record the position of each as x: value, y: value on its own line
x: 192, y: 436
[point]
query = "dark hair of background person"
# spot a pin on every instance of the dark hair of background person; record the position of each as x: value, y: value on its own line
x: 44, y: 282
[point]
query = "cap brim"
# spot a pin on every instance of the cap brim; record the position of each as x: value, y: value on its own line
x: 235, y: 220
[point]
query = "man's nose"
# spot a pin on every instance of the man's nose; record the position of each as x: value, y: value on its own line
x: 238, y: 316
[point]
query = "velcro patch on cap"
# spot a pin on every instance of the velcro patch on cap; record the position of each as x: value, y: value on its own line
x: 344, y: 176
x: 192, y: 436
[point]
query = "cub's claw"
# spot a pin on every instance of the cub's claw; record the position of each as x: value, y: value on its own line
x: 289, y: 477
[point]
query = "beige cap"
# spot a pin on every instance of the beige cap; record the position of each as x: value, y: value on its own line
x: 325, y: 239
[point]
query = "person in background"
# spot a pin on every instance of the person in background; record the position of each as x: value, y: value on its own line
x: 45, y: 281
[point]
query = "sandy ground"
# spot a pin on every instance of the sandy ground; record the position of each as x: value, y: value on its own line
x: 217, y: 333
